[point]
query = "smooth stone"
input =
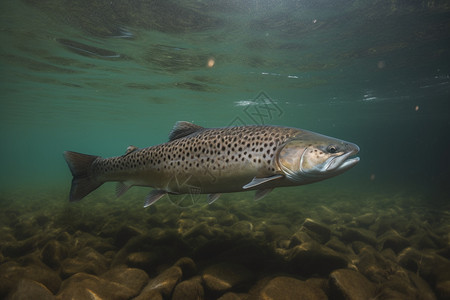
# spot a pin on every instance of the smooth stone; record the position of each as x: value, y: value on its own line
x: 142, y: 260
x: 313, y: 258
x: 365, y: 220
x: 373, y: 265
x: 87, y: 286
x: 11, y: 273
x: 187, y: 265
x: 318, y: 231
x: 277, y: 232
x: 393, y: 240
x: 287, y: 288
x: 191, y: 289
x: 163, y: 284
x: 87, y: 261
x: 54, y: 253
x: 406, y: 285
x: 359, y: 234
x: 232, y: 296
x: 243, y: 228
x: 350, y: 285
x: 30, y: 289
x: 199, y: 229
x: 338, y: 246
x: 299, y: 238
x: 125, y: 233
x: 427, y: 264
x: 223, y: 277
x: 443, y: 289
x: 134, y: 279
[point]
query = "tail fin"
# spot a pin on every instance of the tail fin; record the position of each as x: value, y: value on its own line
x: 82, y: 183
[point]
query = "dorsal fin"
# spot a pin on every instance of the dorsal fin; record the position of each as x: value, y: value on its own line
x: 131, y: 149
x: 182, y: 129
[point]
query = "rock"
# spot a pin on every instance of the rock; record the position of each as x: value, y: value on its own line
x: 277, y: 232
x: 430, y: 266
x: 392, y: 239
x: 338, y: 246
x: 134, y: 279
x: 350, y: 285
x: 319, y: 232
x: 191, y: 289
x: 30, y: 289
x: 359, y: 234
x: 299, y: 238
x: 231, y: 296
x: 223, y: 277
x: 87, y: 261
x: 54, y: 253
x: 187, y: 265
x: 287, y: 288
x: 11, y: 273
x: 163, y: 284
x: 125, y: 233
x: 243, y: 228
x: 87, y: 286
x: 443, y: 289
x: 312, y: 258
x: 365, y: 220
x: 142, y: 260
x: 199, y: 229
x: 373, y: 265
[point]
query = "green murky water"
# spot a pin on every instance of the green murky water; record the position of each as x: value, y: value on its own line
x: 99, y: 76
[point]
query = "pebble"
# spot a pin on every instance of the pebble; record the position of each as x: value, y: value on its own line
x: 88, y: 261
x: 319, y: 232
x: 54, y: 253
x: 287, y: 288
x: 359, y: 234
x: 134, y: 279
x: 163, y: 284
x: 313, y: 258
x: 393, y: 240
x: 87, y: 286
x: 350, y: 285
x: 191, y: 289
x: 30, y: 289
x: 223, y: 277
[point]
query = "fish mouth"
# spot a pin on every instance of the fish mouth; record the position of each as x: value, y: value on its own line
x: 342, y: 162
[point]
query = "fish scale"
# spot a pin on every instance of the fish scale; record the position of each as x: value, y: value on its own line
x: 211, y: 161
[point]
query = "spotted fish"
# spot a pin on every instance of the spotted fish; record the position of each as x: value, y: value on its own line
x: 216, y: 160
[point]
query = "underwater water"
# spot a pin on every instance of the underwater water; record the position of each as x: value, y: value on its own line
x: 95, y: 77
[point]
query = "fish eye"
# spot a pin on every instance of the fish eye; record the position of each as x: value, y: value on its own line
x: 332, y: 149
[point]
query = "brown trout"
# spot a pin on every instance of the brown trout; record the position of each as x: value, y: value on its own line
x: 216, y: 160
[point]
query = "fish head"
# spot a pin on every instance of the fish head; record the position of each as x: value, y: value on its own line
x: 310, y: 157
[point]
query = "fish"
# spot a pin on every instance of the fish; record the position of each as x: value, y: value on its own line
x: 214, y: 161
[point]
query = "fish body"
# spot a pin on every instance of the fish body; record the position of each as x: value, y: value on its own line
x: 216, y: 160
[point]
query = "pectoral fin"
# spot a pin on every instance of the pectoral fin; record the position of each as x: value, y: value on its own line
x: 259, y: 194
x: 213, y: 197
x: 257, y: 181
x: 154, y: 196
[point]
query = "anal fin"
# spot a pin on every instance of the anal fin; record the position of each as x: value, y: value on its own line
x: 258, y: 181
x: 213, y: 197
x: 154, y: 196
x: 259, y: 194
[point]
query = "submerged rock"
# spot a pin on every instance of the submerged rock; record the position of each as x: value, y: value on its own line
x: 87, y: 286
x: 223, y: 277
x: 134, y: 279
x: 163, y: 284
x: 30, y: 289
x: 392, y: 239
x: 287, y: 288
x: 312, y: 258
x: 359, y: 234
x: 87, y: 261
x: 191, y: 289
x: 319, y: 232
x: 350, y: 285
x: 54, y: 253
